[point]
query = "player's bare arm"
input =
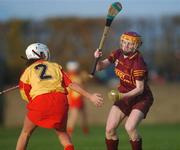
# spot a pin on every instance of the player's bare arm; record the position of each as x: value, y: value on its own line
x: 95, y: 98
x: 101, y: 64
x: 115, y: 95
x: 135, y: 92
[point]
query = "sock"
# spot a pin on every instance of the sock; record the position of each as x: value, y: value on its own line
x: 112, y: 144
x: 69, y: 147
x: 136, y: 145
x: 70, y: 131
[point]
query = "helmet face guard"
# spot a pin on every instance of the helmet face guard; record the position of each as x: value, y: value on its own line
x: 131, y: 38
x: 37, y: 51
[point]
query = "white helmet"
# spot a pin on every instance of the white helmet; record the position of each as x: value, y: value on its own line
x: 37, y: 51
x: 72, y: 66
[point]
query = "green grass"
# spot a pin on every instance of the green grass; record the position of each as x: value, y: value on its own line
x: 155, y: 137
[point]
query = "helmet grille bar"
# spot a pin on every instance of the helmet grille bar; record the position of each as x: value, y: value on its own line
x: 36, y: 54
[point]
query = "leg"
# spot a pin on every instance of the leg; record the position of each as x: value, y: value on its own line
x: 113, y: 121
x: 84, y: 121
x: 26, y: 132
x: 131, y: 125
x: 72, y: 119
x: 65, y: 139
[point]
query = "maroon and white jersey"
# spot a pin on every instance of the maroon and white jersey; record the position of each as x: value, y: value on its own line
x: 129, y: 69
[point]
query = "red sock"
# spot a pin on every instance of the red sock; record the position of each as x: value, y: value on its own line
x: 69, y: 147
x: 136, y: 145
x: 112, y: 144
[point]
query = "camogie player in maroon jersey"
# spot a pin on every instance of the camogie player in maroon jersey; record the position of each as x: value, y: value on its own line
x: 133, y: 97
x: 43, y: 85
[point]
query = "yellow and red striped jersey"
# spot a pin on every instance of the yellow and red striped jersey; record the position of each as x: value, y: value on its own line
x: 42, y: 77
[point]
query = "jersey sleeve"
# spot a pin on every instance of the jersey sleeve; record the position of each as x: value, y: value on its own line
x: 113, y: 55
x: 66, y: 79
x: 25, y: 87
x: 140, y: 69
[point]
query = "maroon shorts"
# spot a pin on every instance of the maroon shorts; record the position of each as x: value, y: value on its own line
x: 142, y: 103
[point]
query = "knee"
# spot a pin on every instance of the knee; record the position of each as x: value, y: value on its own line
x: 110, y: 131
x: 129, y: 128
x: 132, y: 131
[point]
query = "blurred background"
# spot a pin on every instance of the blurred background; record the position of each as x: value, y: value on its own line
x: 72, y: 30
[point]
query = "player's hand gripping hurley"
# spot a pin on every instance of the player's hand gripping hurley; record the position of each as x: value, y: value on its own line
x: 114, y: 9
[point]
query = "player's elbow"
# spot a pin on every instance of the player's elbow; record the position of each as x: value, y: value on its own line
x: 140, y: 89
x: 102, y: 65
x: 98, y: 68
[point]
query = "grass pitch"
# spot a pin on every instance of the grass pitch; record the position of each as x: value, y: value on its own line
x: 155, y: 137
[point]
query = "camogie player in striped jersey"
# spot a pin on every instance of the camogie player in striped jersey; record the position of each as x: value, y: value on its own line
x: 133, y: 97
x: 43, y: 85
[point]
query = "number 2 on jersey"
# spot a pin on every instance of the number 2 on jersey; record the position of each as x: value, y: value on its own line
x: 43, y: 69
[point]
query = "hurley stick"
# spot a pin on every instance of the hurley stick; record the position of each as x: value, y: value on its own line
x: 9, y: 89
x: 114, y: 9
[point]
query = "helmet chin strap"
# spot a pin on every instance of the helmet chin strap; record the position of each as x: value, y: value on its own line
x: 127, y: 53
